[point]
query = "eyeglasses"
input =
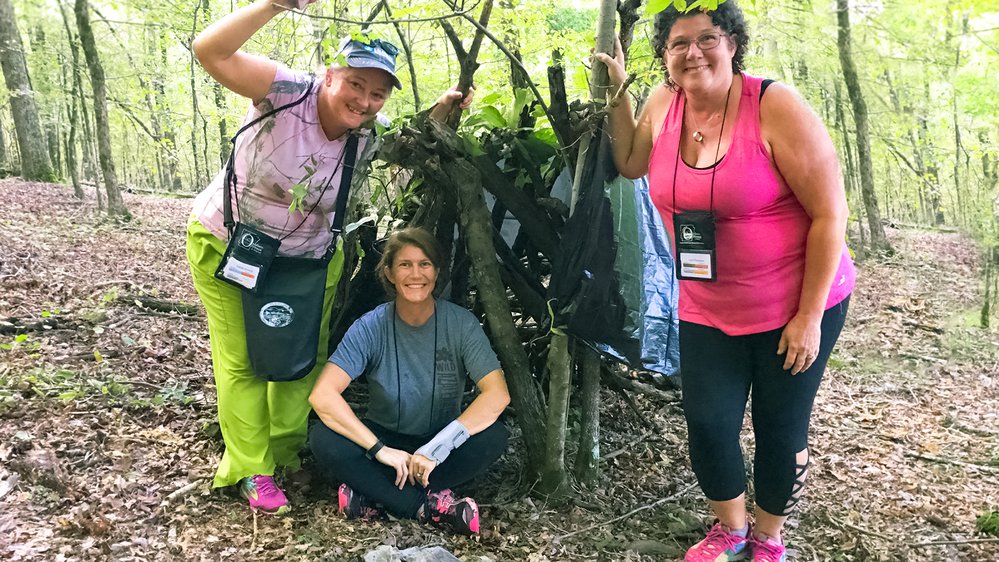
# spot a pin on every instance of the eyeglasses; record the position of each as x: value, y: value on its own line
x: 705, y: 42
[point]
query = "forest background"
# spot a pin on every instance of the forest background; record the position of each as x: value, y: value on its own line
x: 906, y: 90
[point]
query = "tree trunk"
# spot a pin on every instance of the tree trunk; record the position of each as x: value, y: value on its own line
x: 960, y: 210
x: 224, y: 145
x: 587, y: 466
x: 4, y: 164
x: 116, y: 206
x: 35, y: 162
x: 554, y: 481
x: 197, y: 179
x: 985, y: 318
x: 476, y: 230
x: 467, y: 60
x: 80, y: 103
x: 879, y: 242
x: 408, y: 51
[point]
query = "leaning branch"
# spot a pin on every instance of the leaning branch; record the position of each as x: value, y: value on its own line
x: 940, y: 543
x: 563, y: 142
x: 455, y: 14
x: 409, y: 54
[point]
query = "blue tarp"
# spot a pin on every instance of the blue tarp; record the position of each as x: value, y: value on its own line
x: 614, y: 282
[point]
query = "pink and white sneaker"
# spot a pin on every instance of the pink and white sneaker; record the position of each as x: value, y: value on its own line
x: 720, y: 545
x: 459, y: 515
x: 767, y: 549
x: 263, y: 494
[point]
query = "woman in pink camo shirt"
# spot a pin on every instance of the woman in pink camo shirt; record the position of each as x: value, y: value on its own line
x: 287, y: 169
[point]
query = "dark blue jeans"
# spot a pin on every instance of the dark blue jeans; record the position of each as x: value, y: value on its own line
x: 718, y: 374
x: 340, y: 459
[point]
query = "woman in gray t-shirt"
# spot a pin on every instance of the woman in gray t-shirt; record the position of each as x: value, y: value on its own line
x: 415, y: 442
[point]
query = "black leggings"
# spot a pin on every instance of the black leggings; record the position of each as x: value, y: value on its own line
x: 718, y: 372
x: 340, y: 459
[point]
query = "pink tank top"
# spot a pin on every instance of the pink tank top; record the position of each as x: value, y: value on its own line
x: 761, y: 228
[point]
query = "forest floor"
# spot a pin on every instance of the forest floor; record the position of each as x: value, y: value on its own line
x: 108, y: 435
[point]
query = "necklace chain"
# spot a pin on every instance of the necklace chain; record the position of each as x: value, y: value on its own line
x: 697, y: 135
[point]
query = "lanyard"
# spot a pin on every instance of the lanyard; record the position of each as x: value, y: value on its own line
x: 347, y: 160
x: 398, y: 374
x: 714, y: 167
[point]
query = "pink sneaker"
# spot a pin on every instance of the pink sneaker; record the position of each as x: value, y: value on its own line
x: 719, y: 546
x: 458, y: 515
x: 263, y: 494
x: 768, y: 550
x: 355, y: 506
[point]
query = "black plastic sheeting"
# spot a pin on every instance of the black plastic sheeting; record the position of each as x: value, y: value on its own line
x: 614, y: 282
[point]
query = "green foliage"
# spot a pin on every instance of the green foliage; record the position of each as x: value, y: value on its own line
x: 20, y: 341
x: 988, y: 523
x: 578, y: 20
x: 66, y: 385
x: 918, y: 66
x: 653, y: 7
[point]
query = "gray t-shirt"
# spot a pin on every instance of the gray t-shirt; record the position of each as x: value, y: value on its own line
x: 405, y: 392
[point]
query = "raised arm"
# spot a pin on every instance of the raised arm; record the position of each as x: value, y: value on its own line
x: 327, y: 400
x: 217, y: 48
x: 631, y: 142
x: 805, y: 156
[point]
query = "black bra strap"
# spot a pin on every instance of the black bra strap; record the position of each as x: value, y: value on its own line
x: 763, y: 86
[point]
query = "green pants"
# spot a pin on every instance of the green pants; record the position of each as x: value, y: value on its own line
x: 263, y: 423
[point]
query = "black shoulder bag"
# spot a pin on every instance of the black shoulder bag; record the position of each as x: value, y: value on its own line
x: 283, y: 307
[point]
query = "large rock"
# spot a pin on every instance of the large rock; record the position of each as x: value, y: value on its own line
x: 387, y: 553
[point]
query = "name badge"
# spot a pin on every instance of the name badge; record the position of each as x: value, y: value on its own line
x: 247, y: 258
x: 694, y: 235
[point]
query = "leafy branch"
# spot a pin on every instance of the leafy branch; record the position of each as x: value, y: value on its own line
x: 682, y: 6
x: 389, y: 20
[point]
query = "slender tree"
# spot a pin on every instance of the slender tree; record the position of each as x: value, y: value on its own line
x: 879, y: 242
x: 35, y: 161
x: 116, y: 206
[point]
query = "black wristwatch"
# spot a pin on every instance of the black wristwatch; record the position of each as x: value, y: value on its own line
x: 370, y: 453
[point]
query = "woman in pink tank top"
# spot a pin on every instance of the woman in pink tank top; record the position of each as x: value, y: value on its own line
x: 747, y: 181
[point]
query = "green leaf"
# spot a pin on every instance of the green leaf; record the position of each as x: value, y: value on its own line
x: 680, y: 5
x: 491, y: 99
x: 520, y: 99
x: 472, y: 145
x: 20, y: 338
x: 401, y: 13
x: 653, y: 7
x: 46, y: 314
x: 98, y: 357
x: 68, y: 396
x: 493, y: 116
x: 298, y: 193
x: 546, y: 134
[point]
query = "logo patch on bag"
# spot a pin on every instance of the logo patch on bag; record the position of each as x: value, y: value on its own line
x: 276, y: 314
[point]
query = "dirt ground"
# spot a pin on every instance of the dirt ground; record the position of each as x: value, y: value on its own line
x: 108, y: 435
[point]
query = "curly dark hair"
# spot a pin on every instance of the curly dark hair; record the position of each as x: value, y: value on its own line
x: 412, y: 236
x: 728, y: 17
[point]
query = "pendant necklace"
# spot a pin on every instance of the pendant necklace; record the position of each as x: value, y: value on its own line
x: 697, y: 135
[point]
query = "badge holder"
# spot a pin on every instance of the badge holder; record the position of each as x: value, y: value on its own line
x: 694, y: 232
x: 247, y: 258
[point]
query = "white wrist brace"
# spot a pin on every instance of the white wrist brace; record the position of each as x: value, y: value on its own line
x: 446, y: 440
